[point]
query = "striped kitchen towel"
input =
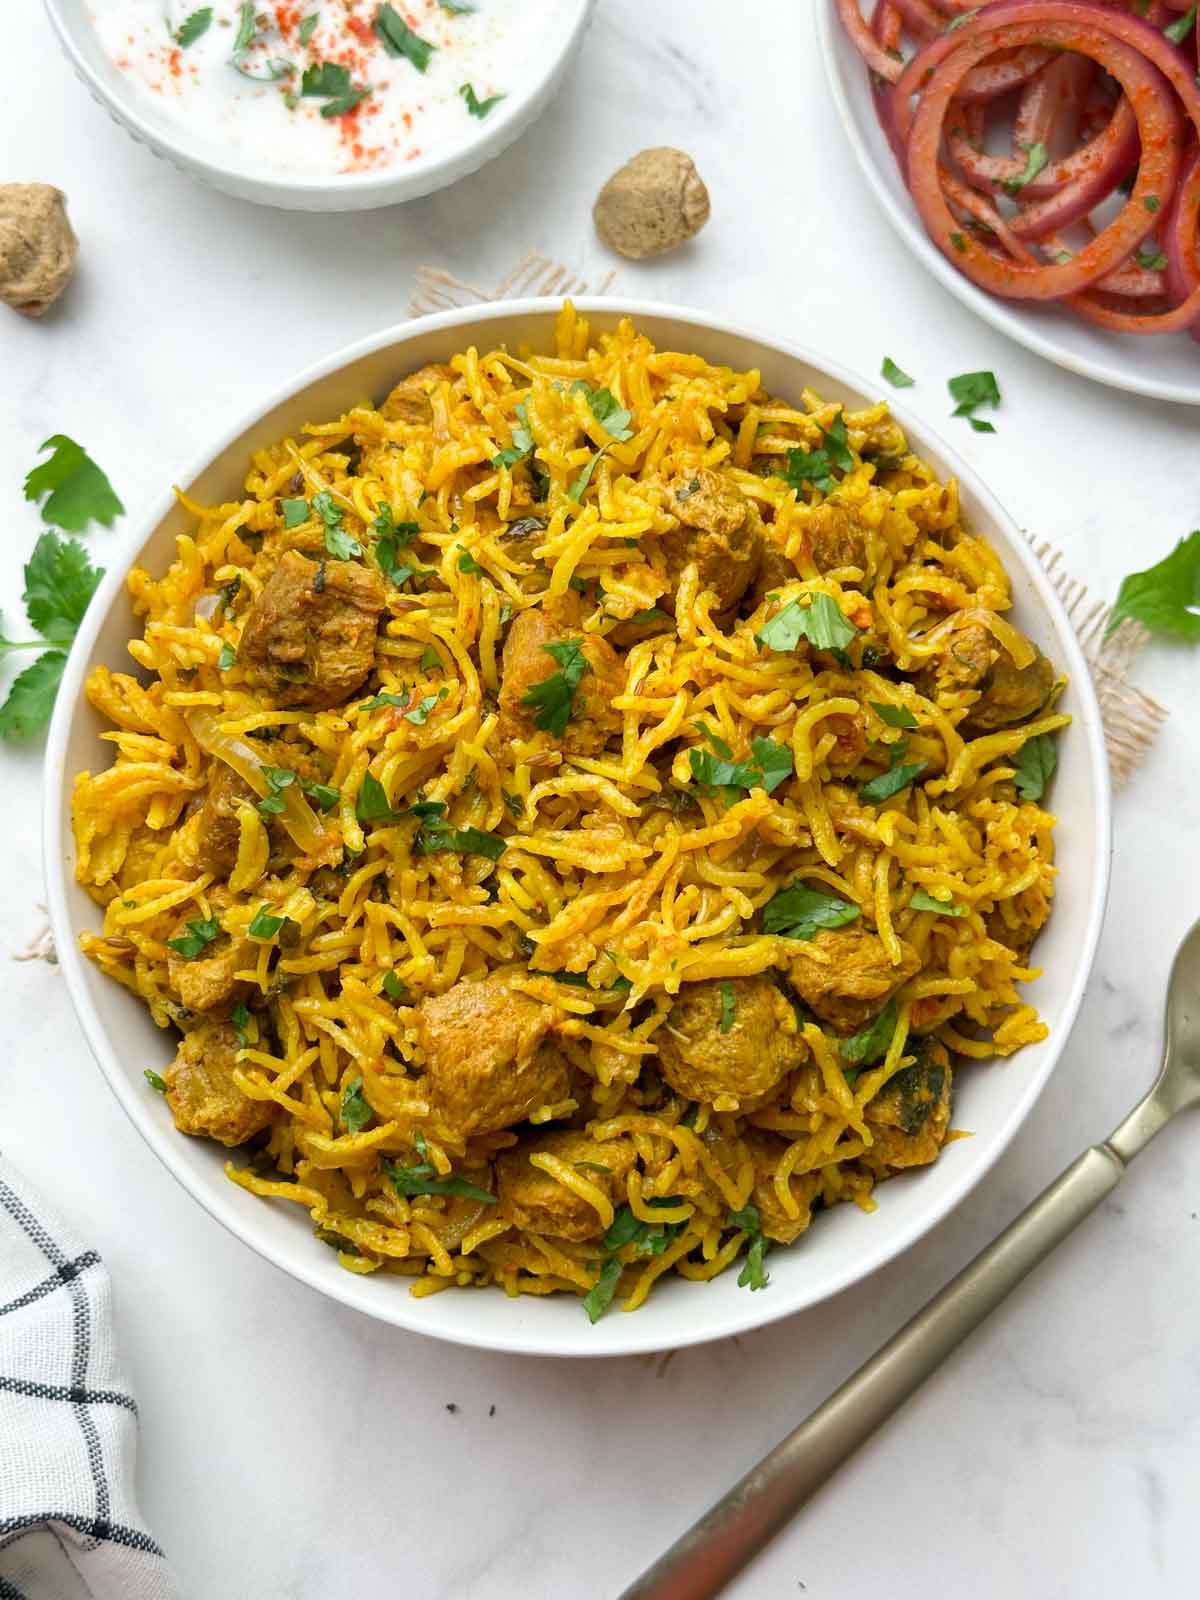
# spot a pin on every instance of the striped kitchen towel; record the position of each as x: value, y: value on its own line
x: 70, y: 1528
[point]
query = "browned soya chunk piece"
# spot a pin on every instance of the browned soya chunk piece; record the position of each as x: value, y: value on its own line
x: 527, y: 662
x: 535, y: 1200
x: 202, y: 1095
x: 718, y: 529
x: 219, y: 829
x: 758, y: 1047
x: 972, y: 660
x: 856, y: 979
x: 309, y: 638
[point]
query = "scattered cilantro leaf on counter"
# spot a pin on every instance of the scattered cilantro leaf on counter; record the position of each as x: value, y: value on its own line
x: 294, y: 512
x: 308, y: 27
x: 341, y: 545
x: 30, y: 700
x: 553, y: 698
x: 356, y: 1111
x: 822, y: 622
x: 193, y: 27
x: 477, y: 107
x: 871, y: 1042
x: 59, y: 582
x: 896, y: 376
x: 422, y: 1179
x: 77, y: 491
x: 1178, y: 30
x: 155, y: 1080
x: 754, y: 1275
x: 399, y: 39
x: 797, y: 912
x: 1035, y: 762
x: 197, y: 939
x: 893, y: 716
x: 943, y: 908
x: 969, y: 391
x: 1036, y: 157
x: 728, y: 1006
x: 1166, y: 597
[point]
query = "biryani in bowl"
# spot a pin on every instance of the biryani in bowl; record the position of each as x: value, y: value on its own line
x: 578, y: 817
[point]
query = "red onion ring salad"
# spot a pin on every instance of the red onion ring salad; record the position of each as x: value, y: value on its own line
x: 1098, y: 205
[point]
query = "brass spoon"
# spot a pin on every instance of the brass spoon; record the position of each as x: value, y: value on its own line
x: 714, y: 1549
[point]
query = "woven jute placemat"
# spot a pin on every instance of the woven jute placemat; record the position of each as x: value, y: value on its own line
x: 1131, y: 718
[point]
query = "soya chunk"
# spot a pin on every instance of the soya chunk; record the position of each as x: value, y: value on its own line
x: 855, y: 980
x: 759, y: 1046
x: 766, y: 1151
x: 202, y: 1095
x: 910, y: 1115
x: 208, y: 981
x: 973, y: 661
x: 487, y: 1055
x: 409, y: 401
x: 835, y: 539
x: 534, y: 1200
x: 310, y: 636
x: 718, y: 529
x: 526, y: 662
x: 217, y: 846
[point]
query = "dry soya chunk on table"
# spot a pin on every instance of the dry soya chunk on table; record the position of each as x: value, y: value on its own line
x: 489, y: 1060
x: 526, y: 662
x: 718, y: 529
x: 202, y: 1095
x: 534, y: 1200
x: 971, y: 659
x: 759, y: 1046
x: 854, y: 981
x: 309, y: 638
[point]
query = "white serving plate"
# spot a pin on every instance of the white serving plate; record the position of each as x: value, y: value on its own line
x: 203, y: 159
x: 1166, y: 367
x: 841, y: 1247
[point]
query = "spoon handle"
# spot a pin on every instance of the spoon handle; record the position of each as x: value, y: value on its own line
x: 703, y: 1560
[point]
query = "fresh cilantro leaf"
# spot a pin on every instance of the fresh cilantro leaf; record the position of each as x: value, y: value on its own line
x: 606, y: 409
x: 1151, y: 259
x: 797, y: 912
x: 728, y: 1007
x: 264, y: 925
x: 754, y: 1275
x: 338, y: 542
x: 400, y: 40
x: 76, y: 490
x: 651, y: 614
x: 467, y: 562
x: 155, y: 1080
x: 278, y: 779
x: 198, y: 938
x: 893, y: 716
x: 872, y: 1042
x: 374, y: 703
x: 435, y: 837
x: 1152, y: 202
x: 822, y: 622
x: 330, y: 81
x: 295, y: 512
x: 747, y: 1220
x: 553, y: 698
x: 772, y: 763
x: 973, y: 389
x: 522, y: 439
x: 227, y: 657
x: 943, y: 908
x: 815, y: 467
x: 194, y: 27
x: 958, y: 241
x: 579, y: 487
x: 59, y: 582
x: 372, y: 803
x: 896, y: 376
x: 394, y: 988
x: 420, y: 1180
x: 241, y: 1021
x: 420, y: 712
x: 1036, y: 157
x: 600, y: 1296
x: 717, y: 743
x: 324, y: 794
x: 1166, y: 597
x: 1178, y: 30
x: 308, y: 27
x: 477, y: 107
x: 430, y: 660
x: 245, y: 31
x: 1035, y: 762
x: 898, y: 776
x: 356, y: 1111
x: 30, y: 700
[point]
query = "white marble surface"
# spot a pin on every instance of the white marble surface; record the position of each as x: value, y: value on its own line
x: 291, y: 1448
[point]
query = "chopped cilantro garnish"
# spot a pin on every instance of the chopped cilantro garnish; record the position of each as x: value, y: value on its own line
x: 1151, y: 259
x: 1035, y: 762
x: 400, y: 40
x: 422, y: 1179
x: 308, y: 27
x: 264, y: 925
x: 893, y: 716
x: 754, y: 1275
x: 338, y: 542
x: 522, y: 439
x: 1178, y: 30
x: 797, y: 912
x: 1036, y: 157
x: 295, y: 512
x: 553, y: 698
x: 324, y: 794
x: 477, y: 107
x: 372, y: 803
x: 728, y: 1006
x: 579, y: 487
x: 194, y: 27
x: 196, y: 941
x: 155, y: 1080
x: 600, y: 1296
x: 943, y: 908
x: 330, y: 81
x: 973, y: 389
x: 394, y: 987
x: 356, y: 1112
x: 896, y: 376
x: 872, y: 1041
x: 430, y: 660
x: 278, y: 779
x: 898, y: 775
x: 77, y: 491
x: 606, y: 409
x: 822, y: 622
x: 468, y: 563
x: 245, y: 31
x: 435, y: 837
x: 772, y: 763
x: 241, y: 1022
x: 958, y: 241
x: 815, y: 467
x: 420, y: 712
x: 1151, y: 202
x: 747, y: 1220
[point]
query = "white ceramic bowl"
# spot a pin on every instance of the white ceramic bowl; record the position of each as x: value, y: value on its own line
x: 1165, y: 366
x: 202, y: 158
x: 842, y: 1246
